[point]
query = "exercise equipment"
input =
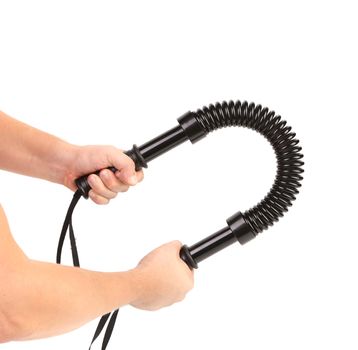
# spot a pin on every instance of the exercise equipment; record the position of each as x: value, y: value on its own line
x: 241, y: 227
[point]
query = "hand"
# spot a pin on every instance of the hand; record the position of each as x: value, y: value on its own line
x: 162, y: 278
x: 106, y: 185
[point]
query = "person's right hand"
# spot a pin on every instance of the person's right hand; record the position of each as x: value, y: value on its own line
x: 162, y: 278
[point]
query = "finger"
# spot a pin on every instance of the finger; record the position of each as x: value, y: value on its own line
x: 97, y: 198
x: 112, y: 182
x: 176, y: 244
x: 140, y: 175
x: 125, y: 165
x: 99, y: 188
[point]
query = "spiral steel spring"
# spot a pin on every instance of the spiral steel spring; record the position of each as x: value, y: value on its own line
x: 284, y: 143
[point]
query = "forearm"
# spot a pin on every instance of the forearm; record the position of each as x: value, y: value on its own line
x: 47, y: 299
x: 29, y: 151
x: 40, y: 299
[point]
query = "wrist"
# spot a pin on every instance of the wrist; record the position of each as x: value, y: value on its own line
x: 65, y: 162
x: 138, y: 285
x: 52, y: 160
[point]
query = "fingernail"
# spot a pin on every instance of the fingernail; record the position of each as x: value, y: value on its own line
x: 91, y: 179
x: 133, y: 180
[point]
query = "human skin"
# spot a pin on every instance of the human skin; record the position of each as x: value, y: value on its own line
x: 40, y: 299
x: 28, y: 151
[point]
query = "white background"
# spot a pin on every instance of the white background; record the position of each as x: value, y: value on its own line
x: 117, y: 72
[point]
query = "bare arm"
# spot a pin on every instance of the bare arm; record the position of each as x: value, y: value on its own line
x: 29, y: 151
x: 41, y: 299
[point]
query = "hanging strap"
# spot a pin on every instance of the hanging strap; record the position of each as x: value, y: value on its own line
x: 109, y: 330
x: 67, y: 226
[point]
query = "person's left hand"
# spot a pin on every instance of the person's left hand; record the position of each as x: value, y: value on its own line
x: 106, y: 185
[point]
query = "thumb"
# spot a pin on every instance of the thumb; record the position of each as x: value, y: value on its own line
x: 125, y: 166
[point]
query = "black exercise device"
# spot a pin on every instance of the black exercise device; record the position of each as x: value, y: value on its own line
x: 241, y: 227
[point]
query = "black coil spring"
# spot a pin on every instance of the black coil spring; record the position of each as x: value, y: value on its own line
x: 284, y: 143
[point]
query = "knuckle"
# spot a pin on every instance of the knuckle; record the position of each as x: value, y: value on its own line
x: 103, y: 201
x: 124, y: 188
x: 108, y: 185
x: 99, y: 201
x: 94, y: 181
x: 140, y: 176
x: 93, y: 196
x: 97, y: 198
x: 176, y: 243
x: 110, y: 192
x: 128, y: 161
x: 181, y: 297
x: 112, y: 195
x: 107, y: 178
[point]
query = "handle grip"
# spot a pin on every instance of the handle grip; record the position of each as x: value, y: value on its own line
x: 82, y: 182
x: 188, y: 129
x: 187, y: 257
x: 237, y: 230
x: 83, y: 185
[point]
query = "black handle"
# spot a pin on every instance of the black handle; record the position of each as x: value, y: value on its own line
x: 236, y: 231
x: 194, y: 126
x: 188, y: 129
x: 83, y: 185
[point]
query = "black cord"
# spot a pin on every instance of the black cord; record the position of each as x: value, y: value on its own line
x: 102, y: 322
x: 66, y: 224
x: 68, y: 227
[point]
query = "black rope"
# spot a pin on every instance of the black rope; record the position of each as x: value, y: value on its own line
x: 66, y: 224
x: 68, y: 227
x: 109, y: 330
